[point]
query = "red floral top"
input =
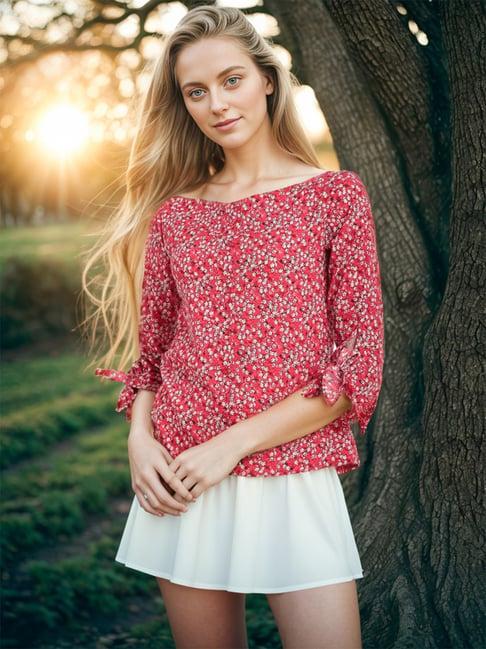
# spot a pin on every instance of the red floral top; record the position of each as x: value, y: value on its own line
x: 243, y: 303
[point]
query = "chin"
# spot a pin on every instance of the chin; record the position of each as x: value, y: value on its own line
x: 232, y: 144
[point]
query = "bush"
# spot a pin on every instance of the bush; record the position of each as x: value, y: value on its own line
x: 39, y: 299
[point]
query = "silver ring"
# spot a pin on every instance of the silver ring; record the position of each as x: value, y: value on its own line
x: 145, y: 495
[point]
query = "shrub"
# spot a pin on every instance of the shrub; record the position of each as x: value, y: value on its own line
x: 39, y: 299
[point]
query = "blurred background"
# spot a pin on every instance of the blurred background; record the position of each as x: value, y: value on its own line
x: 66, y: 124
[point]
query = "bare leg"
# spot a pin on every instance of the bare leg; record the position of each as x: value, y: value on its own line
x: 326, y: 617
x: 201, y: 618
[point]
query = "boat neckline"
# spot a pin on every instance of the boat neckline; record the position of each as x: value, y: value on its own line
x: 258, y: 194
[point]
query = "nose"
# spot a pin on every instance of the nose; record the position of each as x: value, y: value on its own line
x: 217, y: 102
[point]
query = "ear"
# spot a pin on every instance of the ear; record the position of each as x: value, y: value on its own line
x: 269, y: 85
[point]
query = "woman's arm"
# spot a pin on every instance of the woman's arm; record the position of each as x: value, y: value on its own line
x: 158, y: 315
x: 286, y: 420
x: 152, y: 481
x: 354, y: 306
x: 141, y: 420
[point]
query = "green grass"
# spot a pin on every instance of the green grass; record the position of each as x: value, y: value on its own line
x: 66, y: 492
x: 29, y: 382
x: 47, y: 400
x: 50, y: 500
x: 57, y: 241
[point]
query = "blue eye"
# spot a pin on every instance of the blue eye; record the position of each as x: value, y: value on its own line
x: 198, y: 89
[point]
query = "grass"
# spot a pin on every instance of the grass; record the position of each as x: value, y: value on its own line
x: 55, y: 241
x: 66, y: 495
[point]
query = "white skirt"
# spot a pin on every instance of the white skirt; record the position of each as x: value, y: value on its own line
x: 250, y: 535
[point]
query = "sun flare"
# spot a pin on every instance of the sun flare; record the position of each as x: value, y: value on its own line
x: 63, y: 130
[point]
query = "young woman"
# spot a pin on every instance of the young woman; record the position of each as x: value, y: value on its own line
x: 247, y: 281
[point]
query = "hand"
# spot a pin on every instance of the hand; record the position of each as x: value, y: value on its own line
x: 149, y: 462
x: 205, y: 464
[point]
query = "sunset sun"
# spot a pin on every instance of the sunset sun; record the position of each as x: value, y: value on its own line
x: 63, y: 130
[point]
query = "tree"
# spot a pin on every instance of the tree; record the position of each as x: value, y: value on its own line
x: 409, y: 118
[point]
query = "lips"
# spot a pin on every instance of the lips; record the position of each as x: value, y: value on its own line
x: 227, y: 121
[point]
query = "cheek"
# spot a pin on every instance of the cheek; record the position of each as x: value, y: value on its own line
x: 254, y: 97
x: 195, y: 111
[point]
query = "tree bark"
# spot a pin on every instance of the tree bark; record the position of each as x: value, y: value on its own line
x: 387, y: 102
x: 451, y: 478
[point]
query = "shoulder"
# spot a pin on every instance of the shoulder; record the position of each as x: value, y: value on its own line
x: 160, y: 213
x: 345, y: 189
x: 346, y: 201
x: 345, y: 181
x: 155, y: 222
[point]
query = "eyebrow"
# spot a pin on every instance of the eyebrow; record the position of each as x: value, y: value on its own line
x: 223, y: 72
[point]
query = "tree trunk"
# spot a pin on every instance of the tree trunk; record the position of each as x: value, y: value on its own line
x: 387, y: 102
x: 451, y: 477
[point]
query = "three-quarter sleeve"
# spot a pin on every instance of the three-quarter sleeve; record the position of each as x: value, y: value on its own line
x: 158, y: 314
x: 354, y: 307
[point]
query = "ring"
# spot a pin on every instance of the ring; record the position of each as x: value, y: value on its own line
x: 145, y: 495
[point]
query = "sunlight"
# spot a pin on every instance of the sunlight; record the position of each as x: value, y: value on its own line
x: 63, y: 130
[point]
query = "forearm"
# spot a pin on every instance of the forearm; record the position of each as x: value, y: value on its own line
x: 286, y: 420
x: 141, y: 421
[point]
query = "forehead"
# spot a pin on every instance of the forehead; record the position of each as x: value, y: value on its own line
x: 207, y: 57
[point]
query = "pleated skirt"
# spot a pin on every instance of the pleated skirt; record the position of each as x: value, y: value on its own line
x: 250, y: 535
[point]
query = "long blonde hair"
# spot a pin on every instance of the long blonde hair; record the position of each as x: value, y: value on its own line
x: 168, y: 155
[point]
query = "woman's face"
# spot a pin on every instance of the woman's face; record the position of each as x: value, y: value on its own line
x: 219, y: 82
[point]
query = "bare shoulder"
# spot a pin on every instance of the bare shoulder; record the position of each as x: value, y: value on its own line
x: 311, y: 171
x: 216, y: 187
x: 292, y: 174
x: 304, y: 172
x: 194, y: 192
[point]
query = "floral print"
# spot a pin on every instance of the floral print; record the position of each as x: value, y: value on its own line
x: 247, y: 301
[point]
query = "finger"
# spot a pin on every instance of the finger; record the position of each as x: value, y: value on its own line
x: 174, y: 465
x: 145, y: 503
x: 154, y: 505
x: 197, y: 490
x: 175, y: 483
x: 169, y: 489
x: 162, y: 497
x: 166, y: 499
x: 173, y: 493
x: 190, y: 484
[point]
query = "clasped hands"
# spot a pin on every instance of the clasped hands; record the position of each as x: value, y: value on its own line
x: 165, y: 485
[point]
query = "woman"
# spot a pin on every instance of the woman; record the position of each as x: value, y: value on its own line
x: 252, y: 262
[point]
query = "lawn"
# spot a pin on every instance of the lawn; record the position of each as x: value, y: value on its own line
x: 66, y: 494
x: 57, y: 241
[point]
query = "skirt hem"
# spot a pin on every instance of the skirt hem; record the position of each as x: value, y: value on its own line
x: 239, y: 589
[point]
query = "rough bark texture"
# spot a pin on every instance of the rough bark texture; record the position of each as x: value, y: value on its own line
x: 451, y: 477
x: 416, y: 501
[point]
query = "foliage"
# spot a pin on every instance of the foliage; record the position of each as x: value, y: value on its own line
x: 62, y: 516
x: 38, y: 300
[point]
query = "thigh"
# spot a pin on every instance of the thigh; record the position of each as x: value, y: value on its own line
x: 325, y: 617
x: 202, y: 618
